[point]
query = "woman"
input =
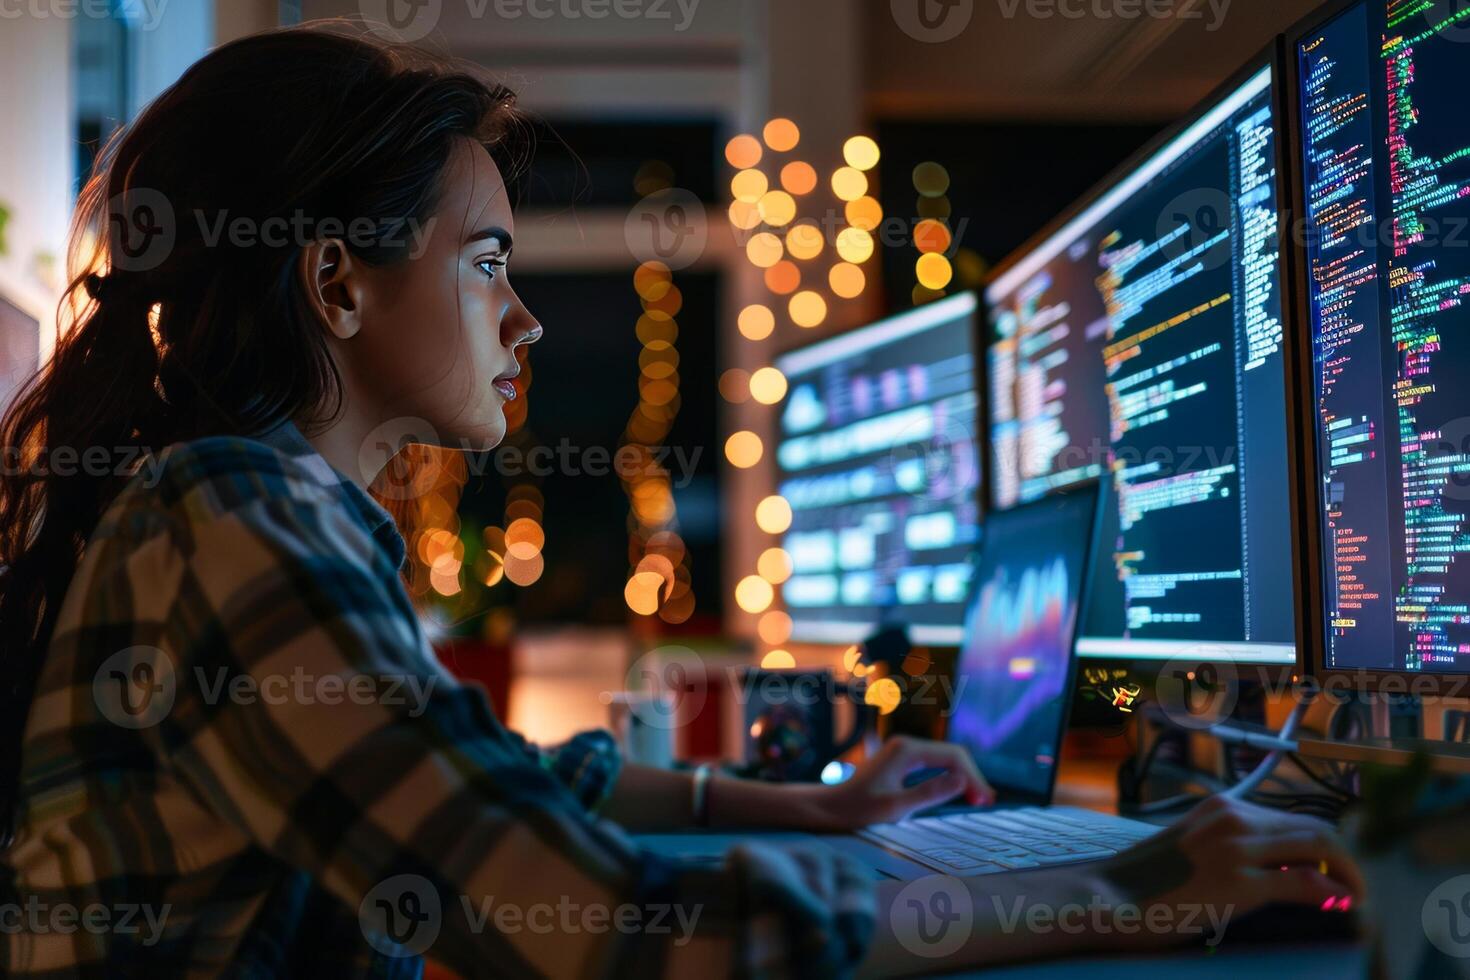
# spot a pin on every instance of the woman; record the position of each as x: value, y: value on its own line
x: 240, y: 756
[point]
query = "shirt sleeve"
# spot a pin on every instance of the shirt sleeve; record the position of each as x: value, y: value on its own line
x: 588, y: 764
x: 398, y: 790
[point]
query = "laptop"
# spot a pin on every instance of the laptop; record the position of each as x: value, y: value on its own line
x: 1013, y: 694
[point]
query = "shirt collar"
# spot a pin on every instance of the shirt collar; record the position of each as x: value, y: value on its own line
x: 286, y: 439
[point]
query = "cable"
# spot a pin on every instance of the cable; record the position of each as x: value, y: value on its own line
x: 1285, y: 742
x: 1315, y: 777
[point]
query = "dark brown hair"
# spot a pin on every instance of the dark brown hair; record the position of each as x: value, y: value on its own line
x: 175, y: 326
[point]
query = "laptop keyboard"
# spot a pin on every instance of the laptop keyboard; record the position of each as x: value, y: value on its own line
x: 993, y: 841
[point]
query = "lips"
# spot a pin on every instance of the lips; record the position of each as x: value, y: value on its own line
x: 506, y: 388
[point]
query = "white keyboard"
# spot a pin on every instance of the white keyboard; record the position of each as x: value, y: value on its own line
x: 993, y: 841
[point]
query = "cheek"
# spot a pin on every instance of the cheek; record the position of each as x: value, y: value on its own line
x: 423, y: 339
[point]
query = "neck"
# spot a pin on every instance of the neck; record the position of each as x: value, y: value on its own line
x: 350, y: 446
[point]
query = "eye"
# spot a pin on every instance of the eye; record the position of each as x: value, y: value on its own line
x: 489, y: 267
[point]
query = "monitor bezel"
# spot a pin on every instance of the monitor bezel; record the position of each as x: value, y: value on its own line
x: 976, y: 315
x: 1313, y: 652
x: 1272, y: 55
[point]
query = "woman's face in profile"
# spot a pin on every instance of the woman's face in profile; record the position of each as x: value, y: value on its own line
x: 439, y: 332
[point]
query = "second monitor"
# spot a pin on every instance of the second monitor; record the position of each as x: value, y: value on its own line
x: 879, y: 459
x: 1141, y: 342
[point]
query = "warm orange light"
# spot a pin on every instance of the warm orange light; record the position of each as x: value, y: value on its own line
x: 807, y: 309
x: 854, y: 245
x: 642, y: 591
x: 743, y: 152
x: 524, y: 538
x: 656, y: 326
x: 764, y: 250
x: 861, y: 153
x: 773, y: 514
x: 754, y: 594
x: 781, y: 135
x: 774, y: 627
x: 778, y: 660
x: 652, y: 281
x: 849, y: 184
x: 783, y: 278
x: 744, y: 449
x: 768, y: 386
x: 756, y: 322
x: 748, y: 186
x: 884, y: 695
x: 804, y: 240
x: 847, y: 280
x: 799, y: 177
x: 744, y: 215
x: 777, y: 208
x: 774, y: 565
x: 934, y: 271
x: 524, y: 571
x: 931, y: 236
x: 865, y: 213
x: 735, y: 386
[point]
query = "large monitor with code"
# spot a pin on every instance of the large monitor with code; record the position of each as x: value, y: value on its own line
x: 1141, y: 343
x: 1385, y: 150
x: 879, y: 459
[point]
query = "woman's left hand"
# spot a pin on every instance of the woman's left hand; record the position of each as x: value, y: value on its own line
x: 876, y: 793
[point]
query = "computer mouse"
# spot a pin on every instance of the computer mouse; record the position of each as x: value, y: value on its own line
x: 1290, y: 922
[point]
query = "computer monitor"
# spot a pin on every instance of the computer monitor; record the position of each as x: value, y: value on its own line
x: 1141, y: 341
x: 1015, y: 670
x: 1385, y: 156
x: 879, y: 459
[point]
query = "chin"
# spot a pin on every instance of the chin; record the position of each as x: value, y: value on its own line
x: 480, y: 437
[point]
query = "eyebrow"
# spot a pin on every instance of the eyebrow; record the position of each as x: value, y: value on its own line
x: 495, y: 232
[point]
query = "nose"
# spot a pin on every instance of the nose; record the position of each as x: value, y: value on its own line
x: 519, y: 328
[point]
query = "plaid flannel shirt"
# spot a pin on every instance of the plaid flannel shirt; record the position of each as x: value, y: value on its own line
x: 243, y: 759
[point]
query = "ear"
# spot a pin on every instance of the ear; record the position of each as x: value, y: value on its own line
x: 334, y: 286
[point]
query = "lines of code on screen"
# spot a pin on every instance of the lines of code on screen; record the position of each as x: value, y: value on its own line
x: 1143, y: 344
x: 1387, y: 168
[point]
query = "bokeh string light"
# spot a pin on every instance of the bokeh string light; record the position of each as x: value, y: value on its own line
x: 659, y: 579
x: 808, y: 265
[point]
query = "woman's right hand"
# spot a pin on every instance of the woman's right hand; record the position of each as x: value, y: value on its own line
x: 1234, y: 857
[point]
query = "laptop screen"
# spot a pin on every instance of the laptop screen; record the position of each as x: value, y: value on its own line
x: 1014, y: 674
